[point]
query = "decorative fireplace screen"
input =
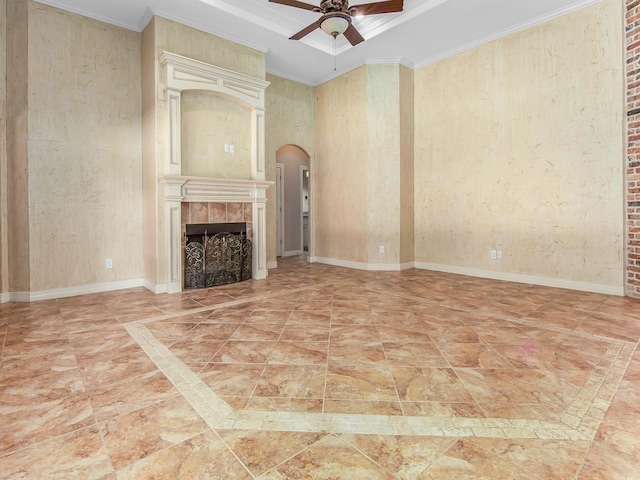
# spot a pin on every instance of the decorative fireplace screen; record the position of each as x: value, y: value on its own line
x: 216, y: 254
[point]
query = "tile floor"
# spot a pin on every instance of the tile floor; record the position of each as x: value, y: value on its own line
x: 320, y: 372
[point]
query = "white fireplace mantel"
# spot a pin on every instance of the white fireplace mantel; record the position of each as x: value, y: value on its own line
x: 205, y: 189
x: 178, y: 189
x: 183, y: 74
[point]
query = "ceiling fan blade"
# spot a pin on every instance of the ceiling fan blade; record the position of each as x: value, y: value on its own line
x: 295, y: 3
x: 390, y: 6
x: 353, y: 35
x: 305, y: 31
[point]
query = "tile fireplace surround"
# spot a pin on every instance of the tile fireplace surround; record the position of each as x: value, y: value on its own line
x: 206, y: 200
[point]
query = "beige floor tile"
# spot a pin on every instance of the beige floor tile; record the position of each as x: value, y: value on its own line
x: 323, y: 372
x: 606, y: 463
x: 79, y: 455
x: 404, y: 456
x: 331, y: 457
x: 261, y: 451
x: 138, y: 434
x: 204, y: 457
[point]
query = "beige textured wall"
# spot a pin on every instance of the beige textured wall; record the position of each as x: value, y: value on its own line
x: 406, y: 164
x: 4, y: 247
x: 365, y: 172
x: 289, y: 120
x: 17, y: 150
x: 340, y: 169
x: 173, y: 37
x: 209, y: 122
x: 519, y: 148
x: 84, y: 150
x: 383, y: 163
x: 198, y: 45
x: 150, y: 95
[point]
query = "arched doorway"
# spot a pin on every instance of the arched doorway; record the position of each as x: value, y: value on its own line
x: 293, y: 162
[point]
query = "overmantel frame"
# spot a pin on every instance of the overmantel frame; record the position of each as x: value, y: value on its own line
x: 184, y: 73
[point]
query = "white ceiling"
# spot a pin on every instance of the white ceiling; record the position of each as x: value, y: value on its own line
x: 426, y: 31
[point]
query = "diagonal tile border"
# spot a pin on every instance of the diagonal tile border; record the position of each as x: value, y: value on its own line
x: 580, y: 421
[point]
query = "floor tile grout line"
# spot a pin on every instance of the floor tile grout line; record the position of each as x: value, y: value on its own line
x: 266, y: 363
x: 184, y: 380
x: 590, y: 410
x: 219, y: 306
x: 291, y: 457
x: 329, y: 423
x: 517, y: 320
x: 326, y: 365
x: 567, y: 331
x: 104, y: 444
x: 393, y: 379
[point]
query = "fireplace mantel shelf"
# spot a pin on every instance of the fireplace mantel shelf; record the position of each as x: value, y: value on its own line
x: 205, y: 189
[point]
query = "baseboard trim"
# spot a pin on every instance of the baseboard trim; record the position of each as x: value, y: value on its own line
x: 153, y: 288
x: 530, y: 279
x: 26, y: 297
x: 19, y: 297
x: 377, y: 267
x: 292, y: 253
x: 475, y: 272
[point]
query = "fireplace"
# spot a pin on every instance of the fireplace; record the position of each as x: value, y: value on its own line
x: 164, y: 257
x: 199, y: 192
x: 216, y: 254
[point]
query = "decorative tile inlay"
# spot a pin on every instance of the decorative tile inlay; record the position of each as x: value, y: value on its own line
x: 321, y: 371
x: 417, y: 381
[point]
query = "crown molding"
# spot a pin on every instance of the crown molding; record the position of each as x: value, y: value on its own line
x: 368, y: 61
x: 579, y: 5
x: 61, y: 4
x: 203, y: 28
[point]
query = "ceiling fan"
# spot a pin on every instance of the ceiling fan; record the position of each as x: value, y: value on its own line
x: 337, y: 15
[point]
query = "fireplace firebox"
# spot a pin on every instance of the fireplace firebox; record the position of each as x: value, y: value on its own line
x: 216, y: 254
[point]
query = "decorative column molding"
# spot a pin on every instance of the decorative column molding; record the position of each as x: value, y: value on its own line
x: 173, y: 164
x: 258, y: 168
x: 260, y: 269
x: 173, y: 218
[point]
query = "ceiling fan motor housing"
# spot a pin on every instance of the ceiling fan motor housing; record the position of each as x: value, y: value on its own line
x: 329, y: 6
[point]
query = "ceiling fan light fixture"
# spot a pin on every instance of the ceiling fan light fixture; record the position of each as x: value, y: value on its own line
x: 334, y: 25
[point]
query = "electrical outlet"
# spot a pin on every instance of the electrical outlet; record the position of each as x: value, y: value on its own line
x: 499, y: 254
x: 232, y: 148
x: 381, y: 248
x: 494, y: 254
x: 109, y: 263
x: 226, y: 148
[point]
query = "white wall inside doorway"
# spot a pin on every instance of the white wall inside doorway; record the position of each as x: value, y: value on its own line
x: 293, y: 159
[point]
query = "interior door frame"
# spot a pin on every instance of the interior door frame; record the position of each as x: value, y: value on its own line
x: 304, y: 169
x: 279, y: 209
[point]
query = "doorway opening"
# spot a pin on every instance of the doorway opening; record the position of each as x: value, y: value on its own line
x: 279, y: 209
x: 293, y: 193
x: 304, y: 187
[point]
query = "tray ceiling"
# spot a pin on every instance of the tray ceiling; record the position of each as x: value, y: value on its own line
x: 426, y: 31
